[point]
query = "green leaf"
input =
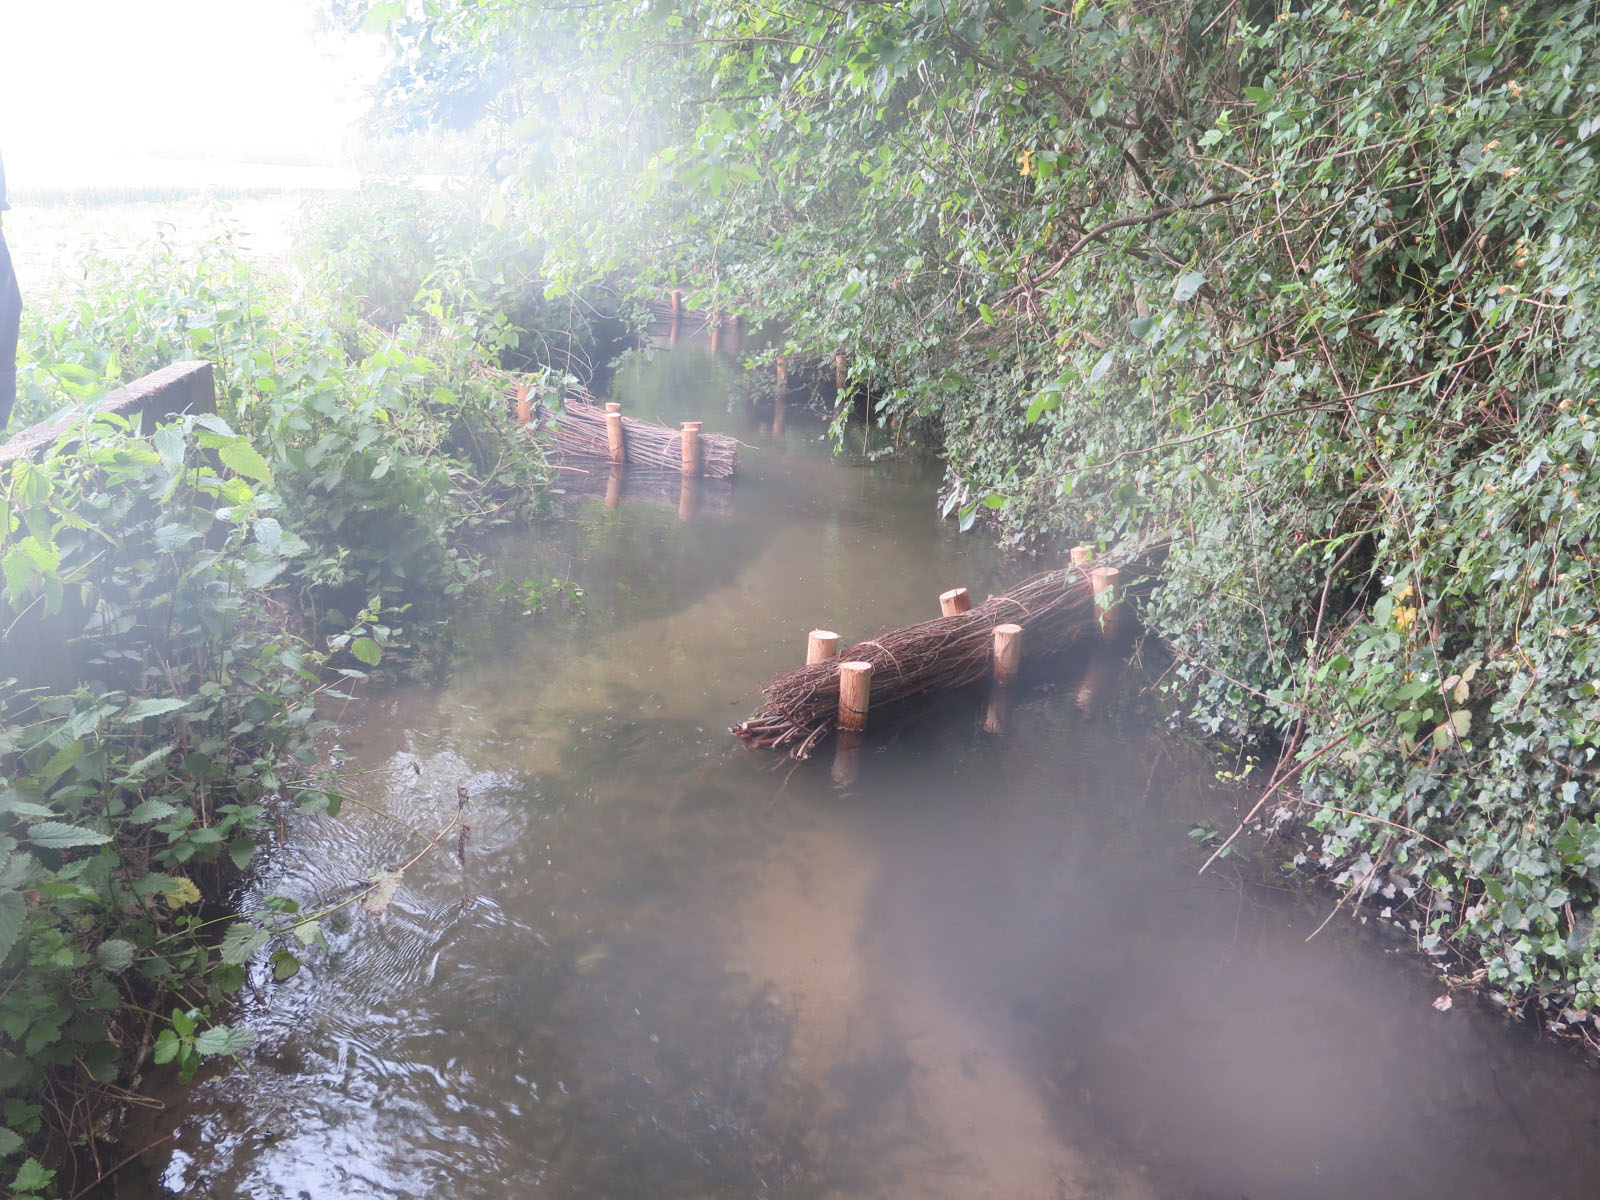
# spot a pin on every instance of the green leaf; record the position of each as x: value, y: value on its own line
x: 32, y: 1177
x: 1187, y: 286
x: 224, y: 1039
x: 13, y: 910
x: 153, y: 708
x: 241, y: 850
x: 114, y: 955
x: 284, y: 965
x: 244, y: 459
x: 58, y: 835
x: 1102, y: 366
x: 241, y: 941
x: 10, y: 1142
x: 151, y: 810
x: 166, y: 1048
x: 367, y: 651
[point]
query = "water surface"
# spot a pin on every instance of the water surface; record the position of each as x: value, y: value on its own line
x: 668, y: 967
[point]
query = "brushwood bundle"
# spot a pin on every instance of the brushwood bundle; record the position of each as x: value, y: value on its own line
x: 1055, y: 609
x: 579, y: 431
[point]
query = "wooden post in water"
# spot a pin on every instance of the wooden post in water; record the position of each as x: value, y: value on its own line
x: 688, y: 496
x: 614, y: 441
x: 716, y: 332
x: 735, y: 335
x: 691, y: 447
x: 780, y: 370
x: 846, y: 758
x: 1007, y: 662
x: 855, y: 694
x: 1007, y: 652
x: 821, y: 645
x: 677, y: 314
x: 1107, y: 584
x: 780, y: 414
x: 956, y: 600
x: 1082, y: 555
x: 614, y: 486
x: 841, y: 375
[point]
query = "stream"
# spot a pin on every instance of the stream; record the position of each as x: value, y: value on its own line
x: 664, y: 966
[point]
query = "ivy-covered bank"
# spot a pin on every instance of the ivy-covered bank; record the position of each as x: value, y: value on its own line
x: 1306, y: 287
x: 175, y: 606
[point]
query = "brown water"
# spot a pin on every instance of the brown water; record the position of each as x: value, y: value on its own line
x: 665, y: 969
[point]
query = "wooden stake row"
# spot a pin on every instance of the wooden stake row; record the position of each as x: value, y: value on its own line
x: 855, y: 678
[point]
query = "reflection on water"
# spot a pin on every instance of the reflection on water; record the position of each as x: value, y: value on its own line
x: 664, y: 968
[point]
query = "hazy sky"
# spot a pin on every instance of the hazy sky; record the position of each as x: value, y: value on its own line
x: 91, y: 91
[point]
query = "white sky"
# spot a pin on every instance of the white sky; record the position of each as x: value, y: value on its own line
x: 173, y: 91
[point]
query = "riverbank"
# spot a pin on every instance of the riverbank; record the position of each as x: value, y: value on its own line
x: 662, y: 969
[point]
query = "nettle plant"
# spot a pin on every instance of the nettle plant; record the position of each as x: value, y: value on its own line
x: 155, y: 725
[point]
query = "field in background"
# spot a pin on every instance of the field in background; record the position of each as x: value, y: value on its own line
x: 53, y: 234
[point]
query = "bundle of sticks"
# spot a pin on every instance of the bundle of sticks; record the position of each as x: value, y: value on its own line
x: 579, y: 431
x: 1055, y: 610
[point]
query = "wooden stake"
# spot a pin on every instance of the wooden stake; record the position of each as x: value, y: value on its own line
x: 821, y: 644
x: 691, y: 447
x: 688, y: 497
x: 996, y: 716
x: 614, y: 436
x: 780, y: 414
x: 613, y: 406
x: 524, y: 405
x: 956, y: 600
x: 841, y: 373
x: 846, y: 759
x: 855, y: 693
x: 677, y: 314
x: 1107, y: 584
x: 1007, y: 652
x: 781, y: 370
x: 1082, y: 555
x: 716, y: 333
x: 614, y: 486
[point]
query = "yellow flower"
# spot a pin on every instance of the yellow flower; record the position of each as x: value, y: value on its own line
x: 1404, y: 617
x: 1025, y: 162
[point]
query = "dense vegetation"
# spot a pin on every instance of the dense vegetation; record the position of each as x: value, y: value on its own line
x: 1302, y: 290
x: 1305, y: 288
x: 174, y: 605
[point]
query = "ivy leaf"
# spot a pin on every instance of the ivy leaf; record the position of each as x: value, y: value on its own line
x: 58, y: 835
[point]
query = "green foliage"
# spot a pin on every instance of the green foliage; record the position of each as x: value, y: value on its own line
x: 161, y: 719
x: 1306, y: 290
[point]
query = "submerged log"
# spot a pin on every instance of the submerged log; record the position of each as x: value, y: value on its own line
x: 1054, y: 610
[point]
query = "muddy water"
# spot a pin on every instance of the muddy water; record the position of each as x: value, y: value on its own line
x: 663, y: 969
